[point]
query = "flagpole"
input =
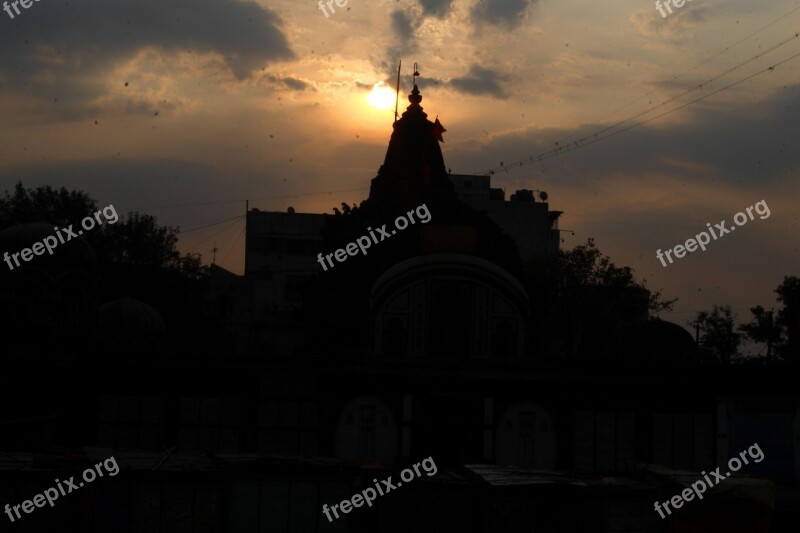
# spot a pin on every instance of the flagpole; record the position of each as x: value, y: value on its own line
x: 397, y: 93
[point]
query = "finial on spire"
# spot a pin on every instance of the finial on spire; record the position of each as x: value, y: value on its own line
x: 415, y: 97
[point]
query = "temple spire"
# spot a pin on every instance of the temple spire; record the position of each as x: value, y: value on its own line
x: 414, y: 166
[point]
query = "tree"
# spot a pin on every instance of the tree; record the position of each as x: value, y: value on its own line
x: 44, y: 204
x: 585, y: 265
x: 135, y: 239
x: 138, y: 258
x: 789, y: 317
x: 718, y: 342
x: 138, y: 240
x: 780, y: 333
x: 763, y: 330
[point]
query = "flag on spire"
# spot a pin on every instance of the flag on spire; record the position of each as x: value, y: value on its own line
x: 437, y: 130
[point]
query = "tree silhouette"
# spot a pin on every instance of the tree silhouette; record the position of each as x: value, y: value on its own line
x: 789, y: 317
x: 585, y: 265
x: 718, y: 342
x: 135, y: 239
x: 763, y: 330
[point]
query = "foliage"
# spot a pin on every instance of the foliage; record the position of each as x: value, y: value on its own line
x: 718, y: 341
x: 133, y: 240
x: 585, y: 265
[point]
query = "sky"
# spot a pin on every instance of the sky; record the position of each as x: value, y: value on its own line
x: 183, y: 109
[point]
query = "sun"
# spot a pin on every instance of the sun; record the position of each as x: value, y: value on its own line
x: 382, y: 96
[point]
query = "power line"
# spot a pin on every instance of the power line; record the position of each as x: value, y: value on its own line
x: 679, y: 76
x: 569, y: 148
x: 697, y: 87
x: 239, y: 236
x: 209, y: 225
x: 574, y: 145
x: 242, y: 200
x: 229, y: 226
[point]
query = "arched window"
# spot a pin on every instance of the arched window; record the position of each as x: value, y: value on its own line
x: 524, y: 437
x: 367, y: 431
x: 504, y: 341
x: 395, y: 338
x: 451, y: 320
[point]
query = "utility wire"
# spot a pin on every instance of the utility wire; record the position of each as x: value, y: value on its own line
x: 574, y: 145
x: 229, y: 226
x: 569, y: 148
x: 196, y: 204
x: 674, y: 78
x: 239, y: 236
x: 209, y: 225
x: 695, y: 88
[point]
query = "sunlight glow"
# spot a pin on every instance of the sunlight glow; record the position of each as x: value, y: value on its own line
x: 382, y: 96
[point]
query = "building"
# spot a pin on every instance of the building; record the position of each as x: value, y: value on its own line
x: 429, y: 346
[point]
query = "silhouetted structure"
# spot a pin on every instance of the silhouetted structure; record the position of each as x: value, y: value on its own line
x: 319, y: 381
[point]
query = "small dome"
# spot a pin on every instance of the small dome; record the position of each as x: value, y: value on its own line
x: 659, y: 342
x: 128, y: 315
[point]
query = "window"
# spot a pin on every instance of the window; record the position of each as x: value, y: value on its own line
x: 604, y: 441
x: 504, y: 341
x: 129, y: 422
x: 395, y: 338
x: 367, y: 431
x: 209, y: 424
x: 288, y: 426
x: 682, y: 440
x: 524, y: 437
x: 450, y: 334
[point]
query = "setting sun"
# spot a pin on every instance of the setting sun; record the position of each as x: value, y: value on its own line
x: 382, y: 96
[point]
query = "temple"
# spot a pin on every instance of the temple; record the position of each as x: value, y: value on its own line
x: 545, y: 405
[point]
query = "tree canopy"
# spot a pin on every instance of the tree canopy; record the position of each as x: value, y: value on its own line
x: 135, y: 239
x: 585, y: 265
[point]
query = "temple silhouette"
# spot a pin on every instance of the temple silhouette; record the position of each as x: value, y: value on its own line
x: 442, y: 341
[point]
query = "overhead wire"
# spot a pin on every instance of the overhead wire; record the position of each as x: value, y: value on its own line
x: 209, y: 225
x: 695, y: 88
x: 239, y: 236
x: 242, y: 200
x: 770, y: 68
x: 574, y: 145
x: 679, y: 76
x: 229, y: 226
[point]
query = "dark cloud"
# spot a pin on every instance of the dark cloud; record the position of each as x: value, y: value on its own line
x: 290, y: 82
x: 508, y: 13
x: 435, y: 8
x: 403, y: 25
x: 62, y: 48
x: 480, y: 81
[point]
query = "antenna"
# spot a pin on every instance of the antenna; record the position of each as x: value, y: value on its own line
x: 397, y: 91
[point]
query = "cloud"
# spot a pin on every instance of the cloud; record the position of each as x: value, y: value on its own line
x: 676, y: 26
x: 290, y: 82
x: 506, y: 13
x: 480, y: 81
x: 435, y: 8
x: 403, y: 25
x: 67, y: 47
